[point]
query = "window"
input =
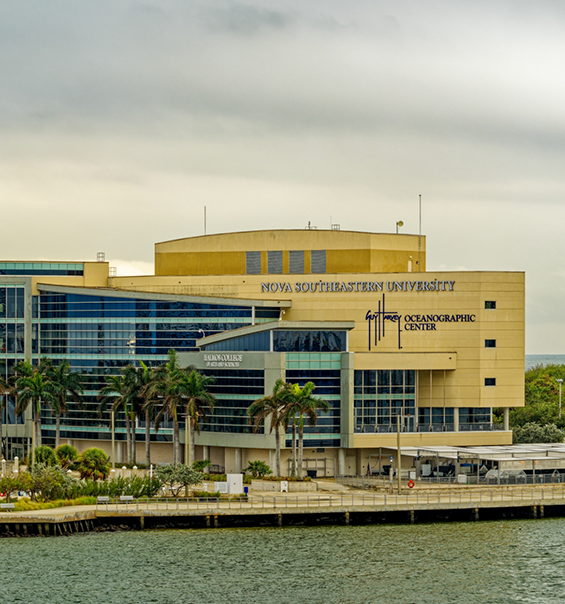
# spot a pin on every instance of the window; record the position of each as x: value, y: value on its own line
x: 296, y: 262
x: 318, y: 261
x: 490, y: 343
x: 381, y: 395
x: 274, y: 263
x: 309, y: 341
x: 490, y: 305
x: 490, y: 381
x: 253, y: 263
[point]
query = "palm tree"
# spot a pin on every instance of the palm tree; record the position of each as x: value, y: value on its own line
x: 305, y: 405
x: 66, y: 385
x: 168, y: 386
x: 197, y: 401
x: 120, y: 391
x: 32, y: 387
x: 145, y: 378
x: 272, y: 407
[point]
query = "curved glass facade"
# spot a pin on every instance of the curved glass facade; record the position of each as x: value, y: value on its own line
x: 100, y: 334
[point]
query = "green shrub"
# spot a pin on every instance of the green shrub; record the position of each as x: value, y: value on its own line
x: 67, y: 456
x: 51, y: 482
x: 534, y: 433
x: 258, y: 469
x: 201, y: 465
x: 216, y: 477
x: 45, y: 455
x: 25, y: 504
x: 94, y: 464
x: 206, y: 494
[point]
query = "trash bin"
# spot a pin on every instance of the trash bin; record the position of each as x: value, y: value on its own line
x: 246, y: 490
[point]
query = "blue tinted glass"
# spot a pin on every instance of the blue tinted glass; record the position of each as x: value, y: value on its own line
x: 20, y: 302
x: 11, y: 302
x: 308, y: 341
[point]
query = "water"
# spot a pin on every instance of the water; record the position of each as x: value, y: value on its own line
x: 544, y: 359
x: 502, y: 562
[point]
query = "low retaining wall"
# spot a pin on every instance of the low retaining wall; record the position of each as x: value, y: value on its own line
x: 274, y: 486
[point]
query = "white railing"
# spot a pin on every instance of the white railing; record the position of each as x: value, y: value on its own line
x: 437, y: 499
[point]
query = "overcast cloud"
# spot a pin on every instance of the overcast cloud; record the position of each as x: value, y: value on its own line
x: 120, y: 120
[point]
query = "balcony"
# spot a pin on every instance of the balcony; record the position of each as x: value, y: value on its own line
x: 426, y: 428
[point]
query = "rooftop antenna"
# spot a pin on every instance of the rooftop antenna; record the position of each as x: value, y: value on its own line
x: 419, y: 233
x: 204, y: 220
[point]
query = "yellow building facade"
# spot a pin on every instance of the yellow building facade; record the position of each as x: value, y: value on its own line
x: 439, y: 349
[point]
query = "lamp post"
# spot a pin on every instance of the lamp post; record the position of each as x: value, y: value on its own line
x: 398, y: 225
x: 559, y: 381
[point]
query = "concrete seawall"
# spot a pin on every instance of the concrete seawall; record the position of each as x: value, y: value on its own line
x: 278, y: 510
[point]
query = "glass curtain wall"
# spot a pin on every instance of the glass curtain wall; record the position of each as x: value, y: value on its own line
x: 99, y: 335
x: 326, y: 433
x: 12, y: 338
x: 382, y: 395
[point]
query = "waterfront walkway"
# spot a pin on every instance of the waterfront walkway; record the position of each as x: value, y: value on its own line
x: 288, y: 508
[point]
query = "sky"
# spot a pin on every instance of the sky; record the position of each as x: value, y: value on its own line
x: 120, y: 120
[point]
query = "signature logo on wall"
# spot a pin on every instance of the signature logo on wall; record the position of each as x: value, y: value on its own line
x: 383, y: 321
x: 378, y: 321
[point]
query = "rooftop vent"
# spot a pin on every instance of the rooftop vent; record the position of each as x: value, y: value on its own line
x: 101, y: 257
x: 113, y: 271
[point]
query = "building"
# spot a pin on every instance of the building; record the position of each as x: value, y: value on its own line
x: 356, y: 313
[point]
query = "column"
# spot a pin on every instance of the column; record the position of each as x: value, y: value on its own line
x: 341, y: 462
x: 119, y: 452
x: 506, y: 420
x: 456, y: 419
x: 238, y: 461
x: 206, y: 455
x: 358, y: 462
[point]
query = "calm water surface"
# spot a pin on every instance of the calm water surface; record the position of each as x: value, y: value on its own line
x: 532, y: 360
x: 489, y: 562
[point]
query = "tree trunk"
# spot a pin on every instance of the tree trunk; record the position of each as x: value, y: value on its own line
x: 38, y: 425
x: 293, y: 468
x: 132, y: 439
x: 176, y: 443
x: 147, y: 438
x: 192, y: 445
x: 57, y: 430
x: 278, y: 451
x: 128, y: 438
x: 300, y: 446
